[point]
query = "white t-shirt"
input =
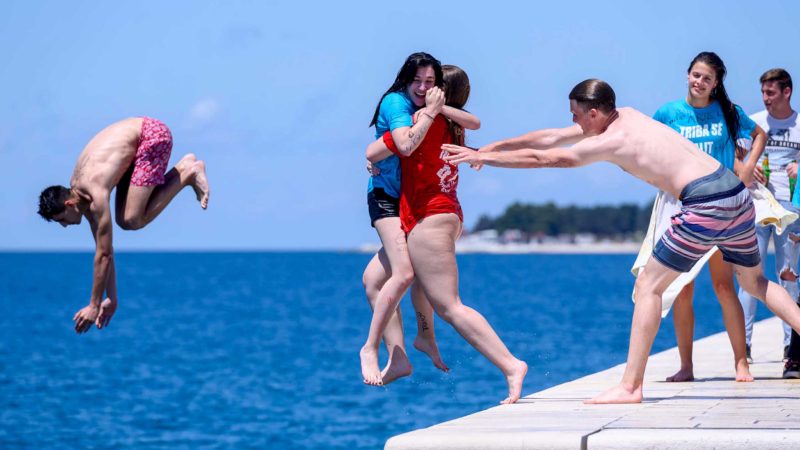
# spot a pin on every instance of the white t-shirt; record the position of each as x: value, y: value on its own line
x: 783, y: 148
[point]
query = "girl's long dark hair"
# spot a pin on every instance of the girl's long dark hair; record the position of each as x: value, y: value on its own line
x: 406, y: 75
x: 719, y: 93
x: 456, y: 94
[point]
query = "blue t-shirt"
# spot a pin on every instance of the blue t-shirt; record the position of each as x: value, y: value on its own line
x: 706, y: 128
x: 396, y: 111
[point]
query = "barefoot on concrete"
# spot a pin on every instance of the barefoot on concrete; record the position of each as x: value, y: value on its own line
x: 398, y: 366
x: 430, y: 348
x: 369, y: 366
x: 743, y: 372
x: 616, y: 395
x: 515, y: 379
x: 683, y: 375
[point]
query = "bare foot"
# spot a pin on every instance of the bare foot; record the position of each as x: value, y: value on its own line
x: 515, y: 379
x: 186, y: 162
x: 683, y: 375
x: 369, y: 366
x: 743, y: 372
x: 617, y: 394
x: 430, y: 348
x: 107, y: 309
x: 398, y: 366
x: 200, y: 184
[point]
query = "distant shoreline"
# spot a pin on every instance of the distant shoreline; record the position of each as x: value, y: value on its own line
x: 584, y: 248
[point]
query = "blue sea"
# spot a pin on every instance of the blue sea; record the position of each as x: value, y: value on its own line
x: 260, y: 350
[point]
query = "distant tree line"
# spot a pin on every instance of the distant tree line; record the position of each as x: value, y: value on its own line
x: 604, y: 221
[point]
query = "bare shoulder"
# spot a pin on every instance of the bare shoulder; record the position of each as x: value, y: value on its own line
x: 601, y: 147
x: 99, y: 197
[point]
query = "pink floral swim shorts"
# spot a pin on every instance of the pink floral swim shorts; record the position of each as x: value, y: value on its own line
x: 152, y: 156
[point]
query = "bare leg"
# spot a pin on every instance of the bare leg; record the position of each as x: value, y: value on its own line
x: 650, y: 285
x: 683, y: 319
x: 121, y: 196
x: 773, y: 295
x: 788, y: 279
x: 732, y: 313
x: 432, y: 249
x: 144, y: 203
x: 396, y: 250
x: 426, y: 339
x: 375, y: 276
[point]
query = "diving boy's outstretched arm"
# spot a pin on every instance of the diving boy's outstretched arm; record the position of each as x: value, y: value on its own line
x: 99, y: 217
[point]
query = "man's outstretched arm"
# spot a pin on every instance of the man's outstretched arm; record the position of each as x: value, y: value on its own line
x: 540, y: 139
x: 99, y: 216
x: 525, y: 158
x: 586, y: 151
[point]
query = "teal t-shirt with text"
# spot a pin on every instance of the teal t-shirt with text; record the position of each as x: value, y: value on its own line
x: 706, y: 128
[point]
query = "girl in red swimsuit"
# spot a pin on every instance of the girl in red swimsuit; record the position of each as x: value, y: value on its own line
x: 432, y: 218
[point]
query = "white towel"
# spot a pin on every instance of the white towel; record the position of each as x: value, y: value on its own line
x: 768, y: 210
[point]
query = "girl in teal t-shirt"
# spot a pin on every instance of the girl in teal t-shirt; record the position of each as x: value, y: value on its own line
x: 708, y: 118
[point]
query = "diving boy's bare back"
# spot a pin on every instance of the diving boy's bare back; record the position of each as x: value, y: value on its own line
x: 132, y: 156
x: 107, y: 157
x: 717, y: 209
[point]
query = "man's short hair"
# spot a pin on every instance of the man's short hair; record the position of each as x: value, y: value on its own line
x: 594, y: 94
x: 51, y: 202
x: 779, y: 76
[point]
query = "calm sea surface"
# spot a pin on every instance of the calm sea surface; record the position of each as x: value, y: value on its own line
x: 260, y: 350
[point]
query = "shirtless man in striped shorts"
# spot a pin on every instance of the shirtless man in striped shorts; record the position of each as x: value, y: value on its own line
x: 717, y: 208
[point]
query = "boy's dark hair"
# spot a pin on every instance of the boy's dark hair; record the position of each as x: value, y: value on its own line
x: 51, y: 201
x: 778, y: 75
x: 594, y: 94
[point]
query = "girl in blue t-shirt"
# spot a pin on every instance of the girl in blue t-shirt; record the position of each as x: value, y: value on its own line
x: 708, y: 118
x: 389, y: 273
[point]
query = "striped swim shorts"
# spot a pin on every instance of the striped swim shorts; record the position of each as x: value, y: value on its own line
x: 716, y: 210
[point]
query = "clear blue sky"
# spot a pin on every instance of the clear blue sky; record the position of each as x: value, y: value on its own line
x: 277, y: 96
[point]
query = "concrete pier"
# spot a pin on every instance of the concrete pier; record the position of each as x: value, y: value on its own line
x: 714, y: 412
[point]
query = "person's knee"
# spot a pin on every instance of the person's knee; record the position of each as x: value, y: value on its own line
x: 368, y: 278
x: 123, y: 223
x: 755, y: 286
x: 370, y: 285
x: 448, y: 313
x: 132, y: 223
x: 788, y: 275
x: 724, y: 289
x: 643, y: 287
x: 404, y: 276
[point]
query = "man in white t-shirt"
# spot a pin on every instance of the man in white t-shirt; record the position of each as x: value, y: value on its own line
x: 781, y: 155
